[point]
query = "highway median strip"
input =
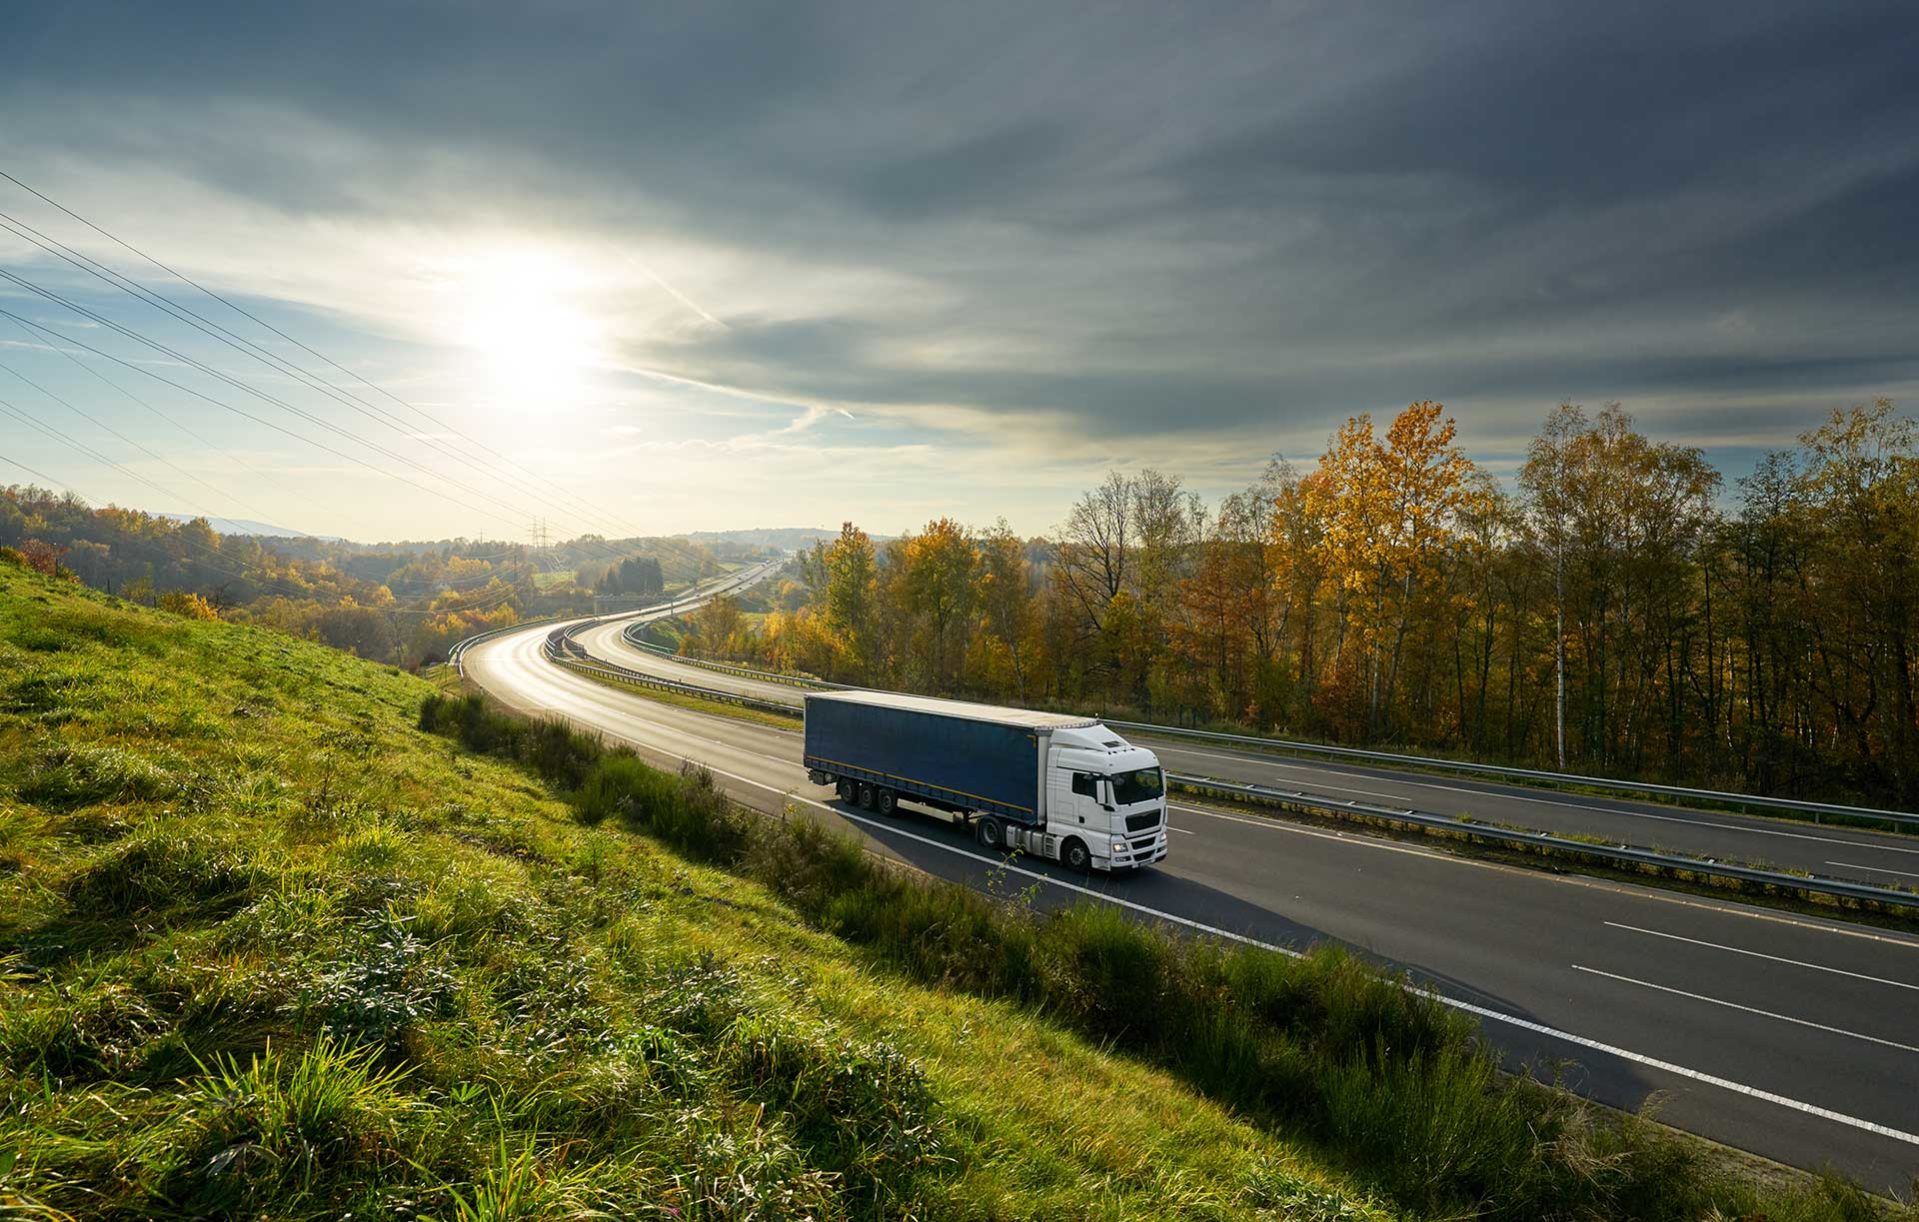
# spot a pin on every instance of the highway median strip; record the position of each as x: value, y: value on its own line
x: 1826, y: 894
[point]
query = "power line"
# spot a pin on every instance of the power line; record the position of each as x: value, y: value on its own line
x: 138, y: 337
x: 184, y: 314
x: 210, y: 446
x: 247, y: 347
x: 258, y: 321
x: 130, y: 441
x: 352, y: 458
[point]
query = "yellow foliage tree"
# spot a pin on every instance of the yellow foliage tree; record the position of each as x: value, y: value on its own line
x: 188, y: 605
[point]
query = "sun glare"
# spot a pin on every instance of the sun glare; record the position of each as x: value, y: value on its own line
x: 522, y: 316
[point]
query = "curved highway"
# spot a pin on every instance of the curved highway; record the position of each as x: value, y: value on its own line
x: 1787, y: 1036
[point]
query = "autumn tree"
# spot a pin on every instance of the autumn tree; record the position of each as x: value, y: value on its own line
x: 1390, y: 508
x: 1009, y: 628
x: 937, y: 569
x: 850, y: 572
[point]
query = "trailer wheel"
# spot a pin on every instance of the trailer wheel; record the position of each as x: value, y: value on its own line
x: 848, y: 790
x: 866, y: 795
x: 1074, y: 854
x: 988, y: 832
x: 888, y: 801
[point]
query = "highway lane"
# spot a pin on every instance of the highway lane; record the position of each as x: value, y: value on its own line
x: 1737, y: 1004
x: 1881, y: 858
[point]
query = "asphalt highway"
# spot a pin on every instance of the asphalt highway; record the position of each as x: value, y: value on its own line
x: 1786, y: 1036
x: 1881, y: 858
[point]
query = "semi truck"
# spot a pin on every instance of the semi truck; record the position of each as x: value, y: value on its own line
x: 1052, y: 785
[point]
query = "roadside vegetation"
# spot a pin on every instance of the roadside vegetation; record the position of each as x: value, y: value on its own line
x: 268, y: 950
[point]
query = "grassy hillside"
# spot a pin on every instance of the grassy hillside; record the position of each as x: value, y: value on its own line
x: 266, y: 949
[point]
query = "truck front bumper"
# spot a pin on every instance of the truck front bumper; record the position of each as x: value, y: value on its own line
x: 1139, y: 851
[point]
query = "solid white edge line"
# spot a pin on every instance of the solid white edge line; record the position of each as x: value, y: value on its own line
x: 1759, y: 954
x: 1851, y: 865
x: 1513, y: 1020
x: 1753, y: 1092
x: 1576, y: 806
x: 1733, y: 1005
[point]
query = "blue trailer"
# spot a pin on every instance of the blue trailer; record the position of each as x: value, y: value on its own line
x: 1052, y: 784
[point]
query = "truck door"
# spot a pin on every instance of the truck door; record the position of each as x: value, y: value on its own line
x: 1072, y: 799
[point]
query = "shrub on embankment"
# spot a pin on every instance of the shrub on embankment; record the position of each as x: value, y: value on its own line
x: 1392, y: 1086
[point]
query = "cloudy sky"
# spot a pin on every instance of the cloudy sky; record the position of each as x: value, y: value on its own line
x: 711, y: 266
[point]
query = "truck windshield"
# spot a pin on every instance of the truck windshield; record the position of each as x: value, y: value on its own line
x: 1141, y: 785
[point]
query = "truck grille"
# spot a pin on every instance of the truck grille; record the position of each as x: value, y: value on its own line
x: 1139, y: 823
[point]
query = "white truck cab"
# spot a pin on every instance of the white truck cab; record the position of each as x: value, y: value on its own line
x: 1108, y: 794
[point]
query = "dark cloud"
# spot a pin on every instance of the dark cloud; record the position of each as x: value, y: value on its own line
x: 1166, y: 219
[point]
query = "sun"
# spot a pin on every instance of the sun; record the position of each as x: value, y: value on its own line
x: 522, y: 314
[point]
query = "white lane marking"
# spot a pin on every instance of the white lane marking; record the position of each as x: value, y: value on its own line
x: 1810, y: 1109
x: 1184, y: 831
x: 1513, y: 1020
x: 1277, y: 823
x: 1879, y: 869
x: 1733, y: 1005
x: 1591, y: 810
x: 1757, y: 954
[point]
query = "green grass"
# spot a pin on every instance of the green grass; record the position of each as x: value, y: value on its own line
x: 269, y: 950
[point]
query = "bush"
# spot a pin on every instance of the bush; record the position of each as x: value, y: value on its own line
x: 187, y: 605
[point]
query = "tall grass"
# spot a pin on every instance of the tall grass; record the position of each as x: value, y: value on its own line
x: 1396, y: 1088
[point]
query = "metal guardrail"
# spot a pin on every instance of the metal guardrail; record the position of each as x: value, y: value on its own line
x: 1390, y: 758
x: 1717, y: 797
x: 1616, y: 854
x: 559, y: 649
x: 693, y: 596
x: 632, y: 636
x: 460, y: 647
x: 562, y: 652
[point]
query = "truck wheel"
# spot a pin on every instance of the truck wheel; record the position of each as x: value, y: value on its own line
x: 848, y: 790
x: 1074, y: 854
x: 866, y: 795
x: 987, y: 830
x: 888, y: 801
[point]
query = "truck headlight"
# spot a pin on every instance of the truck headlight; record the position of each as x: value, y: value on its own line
x: 1119, y: 845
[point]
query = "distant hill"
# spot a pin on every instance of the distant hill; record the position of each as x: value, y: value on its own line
x: 786, y: 538
x: 247, y: 526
